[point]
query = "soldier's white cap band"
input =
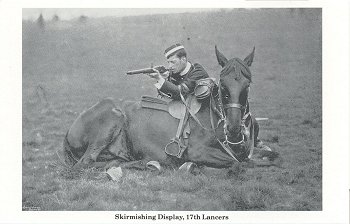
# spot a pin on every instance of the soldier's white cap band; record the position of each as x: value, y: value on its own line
x: 173, y: 50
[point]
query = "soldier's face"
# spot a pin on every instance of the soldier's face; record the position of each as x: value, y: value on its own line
x: 176, y: 64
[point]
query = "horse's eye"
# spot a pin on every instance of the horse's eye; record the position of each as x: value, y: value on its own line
x: 226, y: 96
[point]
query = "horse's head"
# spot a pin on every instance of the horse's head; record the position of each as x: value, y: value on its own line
x: 235, y: 75
x: 235, y: 78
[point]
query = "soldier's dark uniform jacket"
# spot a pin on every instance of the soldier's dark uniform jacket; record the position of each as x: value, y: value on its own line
x: 186, y: 83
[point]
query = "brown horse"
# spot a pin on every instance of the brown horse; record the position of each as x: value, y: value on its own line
x: 133, y: 135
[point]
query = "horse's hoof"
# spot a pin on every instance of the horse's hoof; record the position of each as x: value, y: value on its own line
x: 188, y: 167
x: 115, y: 173
x: 154, y: 166
x: 111, y: 164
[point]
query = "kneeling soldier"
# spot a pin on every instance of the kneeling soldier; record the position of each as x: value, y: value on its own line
x: 182, y: 75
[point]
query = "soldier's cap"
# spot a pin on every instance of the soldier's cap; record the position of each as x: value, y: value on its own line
x: 172, y: 49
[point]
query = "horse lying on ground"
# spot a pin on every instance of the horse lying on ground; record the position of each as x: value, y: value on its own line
x: 133, y: 136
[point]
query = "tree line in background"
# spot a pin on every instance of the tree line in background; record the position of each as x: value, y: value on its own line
x: 40, y: 21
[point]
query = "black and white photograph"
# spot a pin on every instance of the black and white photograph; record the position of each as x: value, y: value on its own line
x: 179, y: 114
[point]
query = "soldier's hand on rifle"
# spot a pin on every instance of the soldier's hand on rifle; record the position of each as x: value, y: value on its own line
x: 156, y: 75
x: 165, y: 74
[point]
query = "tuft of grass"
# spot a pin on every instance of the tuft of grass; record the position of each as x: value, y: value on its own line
x: 186, y: 182
x: 301, y: 205
x: 237, y: 171
x: 275, y: 139
x: 257, y: 196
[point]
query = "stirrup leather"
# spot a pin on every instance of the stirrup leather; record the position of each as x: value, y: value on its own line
x: 176, y: 146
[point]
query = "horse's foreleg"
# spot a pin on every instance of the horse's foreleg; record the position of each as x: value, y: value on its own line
x: 89, y: 157
x: 256, y: 130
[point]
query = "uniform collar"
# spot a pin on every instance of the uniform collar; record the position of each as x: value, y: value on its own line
x: 188, y: 67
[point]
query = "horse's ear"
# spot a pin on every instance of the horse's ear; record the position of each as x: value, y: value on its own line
x: 249, y: 59
x: 221, y: 58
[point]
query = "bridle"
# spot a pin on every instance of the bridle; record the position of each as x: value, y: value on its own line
x: 222, y: 107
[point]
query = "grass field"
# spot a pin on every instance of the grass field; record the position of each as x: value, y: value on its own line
x: 70, y: 65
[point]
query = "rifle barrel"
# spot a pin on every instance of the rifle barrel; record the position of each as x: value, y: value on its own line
x: 140, y: 71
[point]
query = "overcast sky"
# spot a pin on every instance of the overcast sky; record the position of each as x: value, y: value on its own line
x: 73, y: 13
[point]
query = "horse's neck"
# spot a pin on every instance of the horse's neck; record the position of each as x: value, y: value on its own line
x: 212, y: 110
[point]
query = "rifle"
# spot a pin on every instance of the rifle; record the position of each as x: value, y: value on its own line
x: 160, y: 68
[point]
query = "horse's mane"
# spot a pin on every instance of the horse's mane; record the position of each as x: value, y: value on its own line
x: 239, y: 67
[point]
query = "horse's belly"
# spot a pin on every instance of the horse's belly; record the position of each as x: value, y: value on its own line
x: 149, y: 131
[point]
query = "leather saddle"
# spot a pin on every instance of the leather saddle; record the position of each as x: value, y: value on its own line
x: 175, y: 108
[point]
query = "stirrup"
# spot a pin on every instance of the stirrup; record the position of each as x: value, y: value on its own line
x: 175, y: 148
